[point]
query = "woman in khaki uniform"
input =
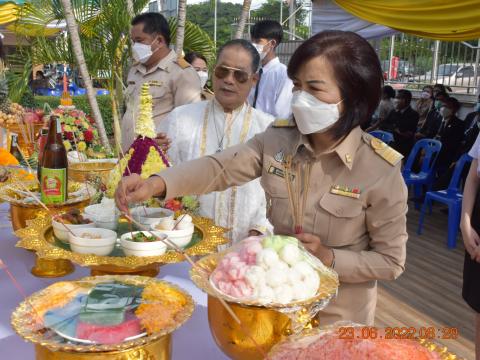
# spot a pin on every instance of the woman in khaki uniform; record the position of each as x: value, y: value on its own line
x: 353, y: 196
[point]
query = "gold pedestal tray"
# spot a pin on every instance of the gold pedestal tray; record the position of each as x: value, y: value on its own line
x: 156, y: 345
x: 267, y: 325
x: 38, y: 236
x: 151, y: 270
x: 84, y: 171
x: 160, y: 349
x: 52, y: 268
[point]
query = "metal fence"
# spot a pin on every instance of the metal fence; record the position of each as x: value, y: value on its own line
x: 411, y: 62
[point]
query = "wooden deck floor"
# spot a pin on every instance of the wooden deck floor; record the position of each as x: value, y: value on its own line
x: 429, y: 291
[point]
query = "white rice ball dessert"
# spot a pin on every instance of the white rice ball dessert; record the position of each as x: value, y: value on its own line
x: 266, y: 258
x: 165, y: 224
x: 255, y: 276
x: 300, y: 292
x: 265, y: 294
x: 304, y: 268
x: 276, y: 276
x: 283, y: 294
x: 294, y: 276
x: 290, y: 253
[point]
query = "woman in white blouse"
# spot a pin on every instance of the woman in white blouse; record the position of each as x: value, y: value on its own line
x: 470, y: 226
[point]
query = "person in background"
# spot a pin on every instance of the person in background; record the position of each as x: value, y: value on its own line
x: 384, y: 108
x: 362, y: 237
x: 439, y: 88
x: 433, y: 121
x: 199, y: 63
x: 173, y: 82
x: 450, y: 135
x: 470, y: 227
x: 424, y: 105
x: 402, y: 122
x: 472, y: 126
x: 273, y: 91
x: 207, y: 127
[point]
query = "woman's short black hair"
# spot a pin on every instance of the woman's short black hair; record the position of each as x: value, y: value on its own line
x: 191, y: 56
x: 267, y: 29
x: 453, y: 102
x: 405, y: 94
x: 153, y: 23
x: 357, y: 71
x: 388, y: 90
x: 246, y: 45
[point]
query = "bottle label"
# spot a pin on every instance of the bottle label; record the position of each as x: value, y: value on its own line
x: 53, y: 185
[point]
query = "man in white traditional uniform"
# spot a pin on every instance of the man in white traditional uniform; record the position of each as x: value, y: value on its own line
x: 273, y: 92
x: 208, y: 127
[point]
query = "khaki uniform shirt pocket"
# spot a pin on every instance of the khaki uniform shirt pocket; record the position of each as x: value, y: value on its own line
x: 162, y: 100
x: 339, y: 220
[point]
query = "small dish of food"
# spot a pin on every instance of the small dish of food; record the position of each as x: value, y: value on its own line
x: 72, y: 220
x: 105, y: 215
x: 92, y: 241
x: 143, y: 243
x: 179, y: 231
x: 148, y: 216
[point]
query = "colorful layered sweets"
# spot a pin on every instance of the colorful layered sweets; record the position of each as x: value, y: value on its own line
x: 328, y: 346
x: 112, y: 312
x: 272, y: 269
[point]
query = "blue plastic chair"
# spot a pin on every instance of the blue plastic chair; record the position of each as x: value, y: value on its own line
x: 102, y: 92
x: 385, y: 136
x: 426, y: 175
x: 452, y: 197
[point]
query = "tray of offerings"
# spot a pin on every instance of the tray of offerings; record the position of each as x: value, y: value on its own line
x: 23, y: 205
x: 346, y: 340
x: 105, y: 317
x: 274, y: 287
x: 114, y: 246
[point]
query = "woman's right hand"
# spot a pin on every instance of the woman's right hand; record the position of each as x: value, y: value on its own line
x: 133, y: 189
x: 471, y: 239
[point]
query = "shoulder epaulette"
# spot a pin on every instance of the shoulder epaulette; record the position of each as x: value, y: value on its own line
x: 182, y: 62
x: 390, y: 155
x: 284, y: 123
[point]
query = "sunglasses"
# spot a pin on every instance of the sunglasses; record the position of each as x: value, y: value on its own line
x: 222, y: 72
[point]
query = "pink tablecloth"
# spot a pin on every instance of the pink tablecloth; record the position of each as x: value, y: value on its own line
x: 192, y: 341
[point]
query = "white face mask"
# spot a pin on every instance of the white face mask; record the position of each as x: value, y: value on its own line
x: 142, y: 52
x: 260, y: 48
x: 313, y: 115
x: 203, y: 75
x: 426, y: 95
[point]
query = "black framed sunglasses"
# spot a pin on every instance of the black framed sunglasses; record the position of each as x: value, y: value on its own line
x: 223, y: 71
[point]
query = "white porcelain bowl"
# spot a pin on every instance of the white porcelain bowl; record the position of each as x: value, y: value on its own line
x: 148, y: 216
x: 105, y: 220
x: 132, y: 248
x: 181, y: 238
x: 62, y: 233
x: 83, y: 245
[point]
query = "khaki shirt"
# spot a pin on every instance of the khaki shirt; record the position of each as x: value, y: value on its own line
x: 368, y: 233
x: 173, y: 82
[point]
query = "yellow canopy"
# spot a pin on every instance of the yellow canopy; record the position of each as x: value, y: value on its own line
x: 8, y: 12
x: 451, y: 20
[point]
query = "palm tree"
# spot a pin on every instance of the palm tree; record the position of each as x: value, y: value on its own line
x: 243, y: 18
x: 82, y: 66
x: 182, y: 14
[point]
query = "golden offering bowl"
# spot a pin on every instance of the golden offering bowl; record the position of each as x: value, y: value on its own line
x: 84, y: 171
x: 160, y: 349
x: 21, y: 130
x: 154, y: 346
x: 52, y: 268
x: 261, y: 326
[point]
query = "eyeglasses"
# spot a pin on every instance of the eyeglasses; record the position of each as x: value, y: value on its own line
x: 222, y: 72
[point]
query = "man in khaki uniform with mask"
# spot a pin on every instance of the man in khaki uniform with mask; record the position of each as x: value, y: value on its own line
x: 173, y: 82
x: 350, y: 187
